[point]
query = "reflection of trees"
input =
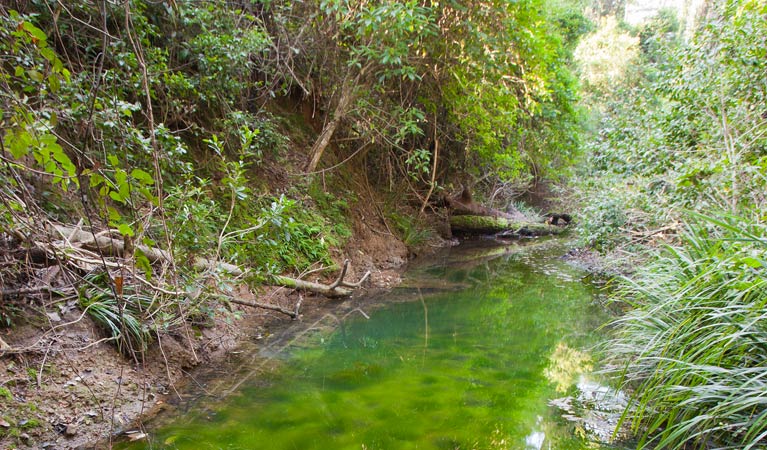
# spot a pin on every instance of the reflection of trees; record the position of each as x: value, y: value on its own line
x: 565, y: 366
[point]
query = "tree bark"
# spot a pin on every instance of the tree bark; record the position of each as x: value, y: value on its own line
x: 464, y: 205
x: 111, y: 246
x: 478, y: 225
x: 347, y: 96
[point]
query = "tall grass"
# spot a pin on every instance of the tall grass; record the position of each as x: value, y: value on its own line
x: 693, y: 350
x: 126, y: 321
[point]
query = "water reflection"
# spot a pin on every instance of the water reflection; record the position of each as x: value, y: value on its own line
x: 595, y: 409
x: 467, y: 354
x: 534, y: 440
x: 566, y: 365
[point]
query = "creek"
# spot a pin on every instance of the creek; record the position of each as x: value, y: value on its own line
x: 481, y: 347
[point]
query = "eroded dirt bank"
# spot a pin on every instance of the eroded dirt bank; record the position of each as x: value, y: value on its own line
x: 64, y: 387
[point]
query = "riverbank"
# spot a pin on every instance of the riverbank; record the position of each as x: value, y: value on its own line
x: 482, y: 332
x: 75, y: 389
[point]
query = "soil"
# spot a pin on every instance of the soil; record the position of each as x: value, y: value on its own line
x: 69, y: 389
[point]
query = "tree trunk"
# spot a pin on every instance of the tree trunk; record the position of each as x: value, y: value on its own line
x: 463, y: 205
x: 347, y: 96
x: 477, y: 225
x: 111, y: 246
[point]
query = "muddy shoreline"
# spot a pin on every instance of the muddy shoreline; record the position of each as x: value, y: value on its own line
x: 80, y: 393
x: 69, y: 388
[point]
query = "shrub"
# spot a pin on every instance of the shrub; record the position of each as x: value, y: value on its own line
x: 694, y: 348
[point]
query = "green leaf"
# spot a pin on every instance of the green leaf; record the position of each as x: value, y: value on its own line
x: 142, y: 177
x: 125, y: 230
x: 96, y: 179
x: 149, y: 242
x: 54, y: 83
x: 114, y: 215
x: 114, y: 195
x: 34, y: 31
x: 752, y: 262
x: 48, y: 54
x: 35, y: 75
x: 121, y: 178
x: 142, y: 262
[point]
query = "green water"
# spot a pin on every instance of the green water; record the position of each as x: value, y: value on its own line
x: 467, y: 357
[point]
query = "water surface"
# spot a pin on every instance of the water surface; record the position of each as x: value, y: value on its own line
x: 467, y: 354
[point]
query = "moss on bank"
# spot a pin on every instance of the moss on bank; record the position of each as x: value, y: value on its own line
x: 492, y: 225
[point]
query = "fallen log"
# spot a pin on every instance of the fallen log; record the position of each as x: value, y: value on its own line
x: 479, y: 225
x: 338, y: 289
x: 108, y: 245
x: 464, y: 205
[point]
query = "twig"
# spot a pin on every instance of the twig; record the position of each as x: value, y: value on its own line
x: 29, y: 290
x: 433, y: 169
x: 357, y: 284
x: 341, y: 276
x: 292, y: 314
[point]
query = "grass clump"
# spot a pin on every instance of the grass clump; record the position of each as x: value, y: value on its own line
x: 694, y: 348
x: 124, y: 317
x: 413, y: 231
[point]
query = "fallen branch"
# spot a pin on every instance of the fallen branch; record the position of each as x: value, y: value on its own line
x: 339, y: 288
x: 30, y: 290
x: 293, y: 314
x: 115, y: 247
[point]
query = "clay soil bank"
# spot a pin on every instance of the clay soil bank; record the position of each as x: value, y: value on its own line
x: 74, y: 390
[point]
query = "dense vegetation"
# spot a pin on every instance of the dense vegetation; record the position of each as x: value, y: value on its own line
x: 246, y: 132
x: 240, y: 132
x: 677, y: 179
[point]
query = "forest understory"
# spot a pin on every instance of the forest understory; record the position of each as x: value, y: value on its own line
x: 177, y: 177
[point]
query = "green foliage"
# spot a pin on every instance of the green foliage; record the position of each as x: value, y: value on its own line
x: 602, y: 222
x: 31, y: 75
x: 509, y: 92
x: 5, y: 394
x: 8, y: 311
x: 683, y: 134
x: 123, y: 315
x: 411, y: 230
x: 692, y: 349
x: 661, y: 33
x: 251, y: 137
x: 489, y: 81
x: 29, y: 424
x: 195, y: 216
x: 605, y: 56
x: 688, y: 132
x: 387, y: 34
x: 335, y: 210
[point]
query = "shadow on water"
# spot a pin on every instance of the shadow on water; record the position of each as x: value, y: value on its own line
x: 482, y: 346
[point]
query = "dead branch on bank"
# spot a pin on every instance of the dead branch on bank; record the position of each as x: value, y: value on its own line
x: 86, y: 248
x: 115, y: 247
x: 464, y: 205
